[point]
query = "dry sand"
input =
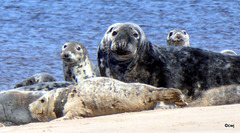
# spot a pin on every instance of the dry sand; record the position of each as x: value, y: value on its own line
x: 195, y: 119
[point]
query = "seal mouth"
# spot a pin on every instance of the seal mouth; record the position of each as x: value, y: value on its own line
x: 123, y: 51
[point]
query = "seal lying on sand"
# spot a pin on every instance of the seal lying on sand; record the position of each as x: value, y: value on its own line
x: 46, y: 86
x: 37, y: 78
x: 125, y: 54
x: 101, y: 96
x: 228, y: 94
x: 14, y: 106
x: 178, y: 38
x: 76, y: 63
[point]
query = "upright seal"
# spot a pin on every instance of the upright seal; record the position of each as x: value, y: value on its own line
x: 125, y: 54
x: 178, y: 38
x: 76, y: 63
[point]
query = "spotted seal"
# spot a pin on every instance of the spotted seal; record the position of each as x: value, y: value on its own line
x: 37, y: 78
x: 76, y: 63
x: 178, y: 38
x: 14, y: 106
x: 231, y: 52
x: 101, y: 96
x: 125, y: 54
x: 46, y: 86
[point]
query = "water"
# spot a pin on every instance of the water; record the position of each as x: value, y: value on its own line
x: 33, y: 32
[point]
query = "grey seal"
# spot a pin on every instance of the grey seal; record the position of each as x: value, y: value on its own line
x: 46, y: 86
x: 125, y: 54
x: 14, y: 106
x: 76, y: 63
x: 178, y: 38
x: 101, y: 96
x: 37, y: 78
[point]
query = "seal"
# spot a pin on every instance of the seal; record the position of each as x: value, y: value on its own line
x: 231, y: 52
x: 76, y: 63
x: 14, y: 106
x: 178, y: 38
x: 228, y: 94
x: 125, y: 54
x: 46, y: 86
x: 37, y: 78
x: 101, y: 96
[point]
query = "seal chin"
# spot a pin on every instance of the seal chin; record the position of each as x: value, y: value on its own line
x: 178, y: 43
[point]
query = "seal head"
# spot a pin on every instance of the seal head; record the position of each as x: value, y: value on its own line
x: 122, y: 43
x: 178, y: 38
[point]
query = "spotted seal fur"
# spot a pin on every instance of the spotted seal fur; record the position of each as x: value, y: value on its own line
x: 101, y: 96
x: 76, y: 63
x: 228, y: 94
x: 35, y: 79
x: 178, y: 38
x: 125, y: 54
x: 46, y: 86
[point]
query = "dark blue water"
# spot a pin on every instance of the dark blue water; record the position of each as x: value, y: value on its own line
x: 33, y: 32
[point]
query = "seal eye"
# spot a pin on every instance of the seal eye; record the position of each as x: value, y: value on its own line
x: 110, y: 30
x: 78, y: 48
x: 184, y: 32
x: 135, y: 35
x: 64, y: 46
x: 114, y: 33
x: 170, y: 34
x: 42, y: 100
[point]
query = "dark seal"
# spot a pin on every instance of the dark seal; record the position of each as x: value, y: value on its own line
x: 125, y: 54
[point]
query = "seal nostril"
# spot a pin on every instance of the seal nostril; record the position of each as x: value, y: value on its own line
x: 66, y: 55
x: 114, y: 33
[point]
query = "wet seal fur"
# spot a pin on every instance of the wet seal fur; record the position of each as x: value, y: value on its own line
x: 35, y: 79
x: 125, y: 54
x: 76, y: 63
x: 178, y: 38
x: 14, y: 106
x: 101, y: 96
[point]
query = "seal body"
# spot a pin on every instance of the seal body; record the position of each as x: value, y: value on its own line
x: 76, y: 63
x: 46, y: 86
x: 178, y: 38
x: 228, y: 94
x: 101, y: 96
x: 37, y: 78
x: 125, y: 54
x: 14, y: 106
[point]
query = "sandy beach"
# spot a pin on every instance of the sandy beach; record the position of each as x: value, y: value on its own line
x: 224, y: 118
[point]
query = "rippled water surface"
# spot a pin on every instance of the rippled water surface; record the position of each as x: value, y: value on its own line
x: 33, y: 32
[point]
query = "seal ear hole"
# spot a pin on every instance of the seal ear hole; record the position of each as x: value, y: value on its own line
x: 78, y: 48
x: 170, y: 34
x: 110, y: 30
x: 42, y: 101
x: 114, y: 33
